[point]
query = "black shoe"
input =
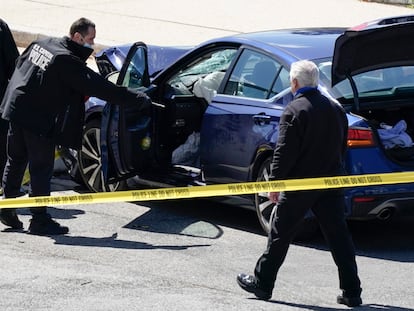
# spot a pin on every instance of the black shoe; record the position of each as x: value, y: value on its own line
x: 249, y: 284
x: 8, y: 217
x: 349, y: 301
x: 45, y: 225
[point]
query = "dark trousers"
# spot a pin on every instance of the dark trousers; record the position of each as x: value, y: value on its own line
x: 328, y: 207
x: 4, y: 127
x: 26, y: 148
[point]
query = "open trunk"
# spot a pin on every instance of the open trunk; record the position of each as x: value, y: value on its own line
x: 393, y: 129
x: 373, y: 70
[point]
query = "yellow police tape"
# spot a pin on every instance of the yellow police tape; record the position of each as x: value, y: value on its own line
x: 213, y: 190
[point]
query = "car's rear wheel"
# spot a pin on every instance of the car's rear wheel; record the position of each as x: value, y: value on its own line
x: 264, y: 208
x: 89, y: 159
x: 263, y: 205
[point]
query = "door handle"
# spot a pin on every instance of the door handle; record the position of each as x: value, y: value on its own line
x: 261, y: 118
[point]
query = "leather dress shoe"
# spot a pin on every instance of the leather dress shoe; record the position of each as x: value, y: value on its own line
x: 250, y: 284
x: 43, y: 224
x: 349, y: 301
x: 8, y: 217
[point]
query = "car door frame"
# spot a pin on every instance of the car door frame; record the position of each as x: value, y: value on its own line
x: 118, y: 156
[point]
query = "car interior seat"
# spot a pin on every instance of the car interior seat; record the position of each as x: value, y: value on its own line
x: 257, y: 85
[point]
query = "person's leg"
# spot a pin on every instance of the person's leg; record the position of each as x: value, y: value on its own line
x: 330, y: 212
x: 16, y: 162
x: 4, y: 127
x: 13, y: 174
x: 285, y: 221
x: 41, y: 152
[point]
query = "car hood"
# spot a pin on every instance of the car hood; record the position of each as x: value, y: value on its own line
x: 361, y: 51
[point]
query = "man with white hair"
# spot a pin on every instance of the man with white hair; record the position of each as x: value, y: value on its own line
x: 312, y: 142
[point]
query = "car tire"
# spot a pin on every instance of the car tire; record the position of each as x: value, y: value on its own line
x: 89, y: 160
x: 263, y: 205
x: 70, y: 160
x: 264, y: 208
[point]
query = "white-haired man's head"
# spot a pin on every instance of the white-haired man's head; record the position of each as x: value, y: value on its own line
x: 303, y: 73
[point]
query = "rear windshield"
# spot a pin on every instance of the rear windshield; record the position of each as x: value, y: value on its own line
x: 373, y: 83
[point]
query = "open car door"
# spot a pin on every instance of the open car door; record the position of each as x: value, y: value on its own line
x: 126, y: 129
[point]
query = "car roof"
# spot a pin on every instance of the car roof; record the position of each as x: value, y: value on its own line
x: 298, y: 43
x: 285, y: 45
x: 361, y: 51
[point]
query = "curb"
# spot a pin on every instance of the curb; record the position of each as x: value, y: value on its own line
x: 23, y: 39
x: 397, y: 2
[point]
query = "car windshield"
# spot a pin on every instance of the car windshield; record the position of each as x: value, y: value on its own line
x: 216, y: 61
x: 380, y: 82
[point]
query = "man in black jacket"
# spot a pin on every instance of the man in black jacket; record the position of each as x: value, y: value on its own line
x: 8, y: 56
x: 312, y: 142
x: 44, y: 103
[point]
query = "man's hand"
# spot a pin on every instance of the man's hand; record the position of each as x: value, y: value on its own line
x: 143, y: 100
x: 274, y: 197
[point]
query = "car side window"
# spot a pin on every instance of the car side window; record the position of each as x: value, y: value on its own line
x: 257, y: 76
x: 135, y: 72
x: 282, y: 82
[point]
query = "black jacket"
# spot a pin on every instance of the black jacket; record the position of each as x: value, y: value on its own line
x: 47, y: 91
x: 8, y: 56
x: 312, y: 138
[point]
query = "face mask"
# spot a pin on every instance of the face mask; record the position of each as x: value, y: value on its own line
x: 87, y: 45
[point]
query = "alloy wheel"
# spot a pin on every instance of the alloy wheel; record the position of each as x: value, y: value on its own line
x: 89, y: 159
x: 264, y: 206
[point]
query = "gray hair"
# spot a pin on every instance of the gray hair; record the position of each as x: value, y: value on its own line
x: 305, y: 72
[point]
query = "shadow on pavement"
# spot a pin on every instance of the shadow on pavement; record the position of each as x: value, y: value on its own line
x: 57, y: 213
x: 194, y: 217
x: 391, y: 240
x: 113, y: 242
x: 360, y: 308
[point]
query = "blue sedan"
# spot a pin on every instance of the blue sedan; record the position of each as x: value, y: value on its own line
x: 216, y: 110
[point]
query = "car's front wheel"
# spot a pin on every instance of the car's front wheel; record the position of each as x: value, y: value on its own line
x: 89, y: 159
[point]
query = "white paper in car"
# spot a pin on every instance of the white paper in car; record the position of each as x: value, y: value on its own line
x: 158, y: 104
x: 189, y: 152
x: 207, y: 87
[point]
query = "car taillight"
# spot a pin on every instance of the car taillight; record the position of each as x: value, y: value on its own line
x: 360, y: 138
x: 363, y: 199
x: 359, y: 27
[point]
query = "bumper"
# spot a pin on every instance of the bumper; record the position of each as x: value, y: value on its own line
x: 381, y: 207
